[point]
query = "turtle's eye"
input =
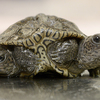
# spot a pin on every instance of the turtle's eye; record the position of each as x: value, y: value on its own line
x: 96, y: 38
x: 2, y: 58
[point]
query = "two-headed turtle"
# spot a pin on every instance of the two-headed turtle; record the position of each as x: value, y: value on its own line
x: 48, y: 43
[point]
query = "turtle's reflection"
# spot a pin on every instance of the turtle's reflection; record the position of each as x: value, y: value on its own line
x: 46, y: 88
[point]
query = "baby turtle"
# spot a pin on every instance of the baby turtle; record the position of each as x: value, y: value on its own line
x: 48, y: 43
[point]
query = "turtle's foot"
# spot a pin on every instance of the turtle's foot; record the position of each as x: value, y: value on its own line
x: 55, y: 56
x: 94, y: 72
x: 63, y: 51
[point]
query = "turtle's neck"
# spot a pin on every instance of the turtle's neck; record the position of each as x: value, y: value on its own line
x: 74, y: 68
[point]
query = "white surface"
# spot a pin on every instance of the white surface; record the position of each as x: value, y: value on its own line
x: 84, y: 13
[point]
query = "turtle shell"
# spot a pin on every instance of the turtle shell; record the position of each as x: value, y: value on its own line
x: 32, y: 31
x: 37, y: 33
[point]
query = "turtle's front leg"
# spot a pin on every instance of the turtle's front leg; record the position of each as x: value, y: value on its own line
x: 94, y: 72
x: 63, y: 52
x: 27, y: 60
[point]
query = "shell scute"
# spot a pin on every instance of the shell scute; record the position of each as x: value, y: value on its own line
x: 32, y: 30
x: 37, y: 33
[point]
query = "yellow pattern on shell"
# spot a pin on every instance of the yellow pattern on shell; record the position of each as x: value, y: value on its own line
x: 37, y: 33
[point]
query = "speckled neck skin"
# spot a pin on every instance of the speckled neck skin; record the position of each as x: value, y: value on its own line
x: 89, y: 52
x: 74, y: 69
x: 74, y: 66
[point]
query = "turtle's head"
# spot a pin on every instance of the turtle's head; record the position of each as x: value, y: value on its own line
x: 89, y: 52
x: 7, y: 63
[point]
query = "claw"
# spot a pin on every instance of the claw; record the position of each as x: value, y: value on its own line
x: 38, y: 59
x: 38, y: 62
x: 56, y: 59
x: 54, y: 54
x: 54, y: 51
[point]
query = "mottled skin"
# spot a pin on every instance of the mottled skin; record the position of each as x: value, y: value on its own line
x: 89, y: 54
x: 42, y: 43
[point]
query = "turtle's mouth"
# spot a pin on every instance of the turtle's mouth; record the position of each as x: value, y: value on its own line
x: 84, y: 59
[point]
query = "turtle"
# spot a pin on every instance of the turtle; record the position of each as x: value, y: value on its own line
x: 43, y: 43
